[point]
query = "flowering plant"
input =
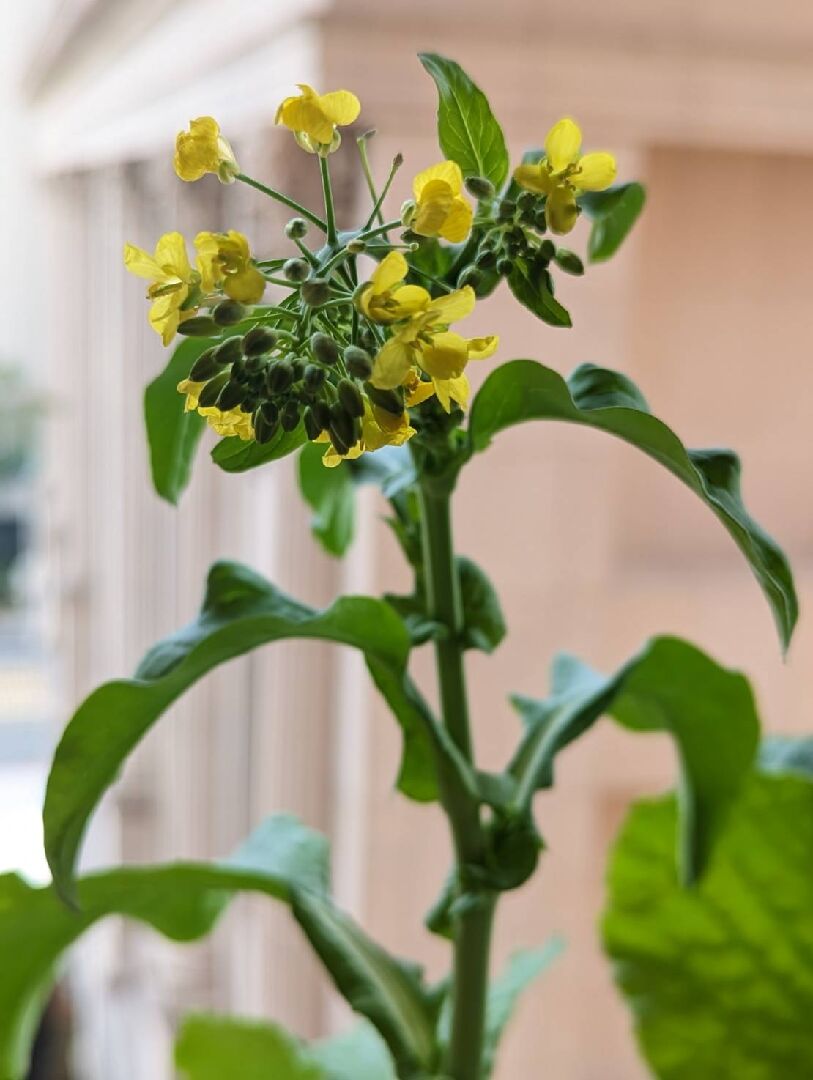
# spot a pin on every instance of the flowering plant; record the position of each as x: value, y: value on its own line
x: 345, y: 348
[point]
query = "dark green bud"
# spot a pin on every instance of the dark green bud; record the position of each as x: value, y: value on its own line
x: 505, y: 266
x: 229, y: 351
x: 205, y: 367
x: 410, y: 237
x: 324, y: 348
x: 470, y: 276
x: 506, y: 210
x: 358, y: 362
x: 547, y: 249
x: 321, y: 414
x: 569, y: 261
x: 232, y: 395
x: 367, y: 339
x: 253, y: 365
x: 540, y: 221
x: 259, y: 340
x: 296, y: 269
x: 228, y: 312
x: 211, y: 391
x: 315, y: 292
x: 279, y: 377
x: 342, y: 427
x: 314, y: 378
x: 199, y: 326
x: 264, y: 428
x: 526, y: 205
x: 289, y: 416
x: 250, y: 403
x: 350, y: 397
x: 270, y: 412
x: 390, y: 401
x: 486, y: 259
x: 298, y: 365
x: 479, y: 187
x: 312, y: 428
x: 296, y: 228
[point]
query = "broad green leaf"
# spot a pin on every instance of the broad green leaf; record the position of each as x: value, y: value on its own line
x: 359, y: 1054
x: 173, y: 434
x: 221, y: 1048
x: 236, y: 455
x: 529, y: 286
x: 329, y: 493
x: 719, y: 978
x: 484, y: 623
x: 467, y: 130
x: 181, y: 901
x: 596, y: 397
x: 505, y: 991
x: 672, y: 687
x: 614, y: 212
x: 240, y: 612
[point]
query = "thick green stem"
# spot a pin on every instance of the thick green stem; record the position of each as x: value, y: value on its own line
x: 330, y: 209
x: 473, y: 924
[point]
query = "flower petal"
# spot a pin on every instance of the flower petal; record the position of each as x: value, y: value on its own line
x: 482, y: 347
x: 247, y: 286
x: 563, y: 143
x: 141, y: 263
x: 392, y: 269
x: 533, y: 177
x: 457, y: 305
x: 448, y: 171
x: 171, y: 256
x: 340, y: 106
x: 448, y: 390
x: 446, y: 357
x: 457, y: 225
x: 433, y: 208
x: 595, y: 172
x: 561, y: 211
x: 408, y: 300
x: 392, y: 363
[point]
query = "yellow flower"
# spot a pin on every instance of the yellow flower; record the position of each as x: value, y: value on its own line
x: 313, y: 118
x: 174, y: 283
x: 378, y: 428
x: 425, y: 342
x: 440, y: 208
x: 563, y: 172
x: 231, y: 422
x: 203, y: 150
x: 225, y: 259
x: 385, y: 298
x: 444, y: 360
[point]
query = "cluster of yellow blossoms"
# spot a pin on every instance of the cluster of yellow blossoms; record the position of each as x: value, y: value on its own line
x: 417, y: 355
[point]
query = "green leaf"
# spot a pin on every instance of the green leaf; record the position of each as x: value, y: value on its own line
x: 220, y: 1048
x: 484, y: 623
x: 719, y: 978
x: 524, y: 390
x: 181, y: 901
x: 236, y: 455
x: 329, y: 493
x: 530, y: 287
x: 359, y: 1054
x: 467, y: 130
x: 614, y: 212
x: 504, y: 993
x: 173, y: 434
x: 240, y: 612
x: 673, y: 687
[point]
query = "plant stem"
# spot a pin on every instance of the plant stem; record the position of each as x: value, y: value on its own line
x: 473, y: 924
x: 327, y: 191
x: 291, y: 203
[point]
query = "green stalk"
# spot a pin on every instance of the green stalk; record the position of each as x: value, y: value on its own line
x: 292, y: 204
x: 473, y: 924
x: 330, y: 209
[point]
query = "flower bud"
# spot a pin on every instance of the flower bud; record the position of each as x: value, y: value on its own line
x: 229, y: 351
x: 469, y: 276
x: 569, y: 261
x: 486, y: 259
x: 547, y: 249
x: 279, y: 377
x: 479, y: 187
x: 505, y: 266
x: 265, y: 426
x: 199, y: 326
x: 289, y: 416
x: 270, y: 411
x: 367, y: 338
x: 211, y: 391
x: 358, y: 362
x: 314, y: 378
x: 408, y: 210
x: 324, y: 348
x: 296, y: 228
x: 232, y: 395
x: 312, y: 427
x: 350, y: 397
x: 259, y: 340
x: 390, y: 401
x: 355, y: 247
x: 321, y: 414
x: 342, y: 429
x: 228, y: 312
x: 296, y: 269
x: 248, y: 404
x: 526, y: 204
x: 205, y: 367
x: 315, y: 291
x: 506, y: 210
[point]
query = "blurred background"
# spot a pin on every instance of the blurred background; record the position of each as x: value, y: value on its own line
x: 592, y: 547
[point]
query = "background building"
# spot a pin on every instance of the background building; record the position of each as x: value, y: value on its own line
x: 592, y: 548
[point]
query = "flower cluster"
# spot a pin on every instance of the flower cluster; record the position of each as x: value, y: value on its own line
x: 354, y: 366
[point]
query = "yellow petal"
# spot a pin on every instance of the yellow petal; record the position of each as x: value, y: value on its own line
x: 164, y: 315
x: 192, y: 391
x: 563, y: 143
x: 141, y: 263
x: 457, y: 225
x: 392, y: 363
x: 392, y: 269
x: 170, y: 254
x: 561, y: 211
x: 482, y: 347
x: 446, y: 357
x: 448, y: 171
x: 303, y: 114
x: 533, y: 177
x: 340, y: 107
x: 452, y: 389
x: 457, y: 305
x: 248, y: 286
x: 408, y: 300
x: 595, y: 172
x: 419, y: 391
x: 433, y: 209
